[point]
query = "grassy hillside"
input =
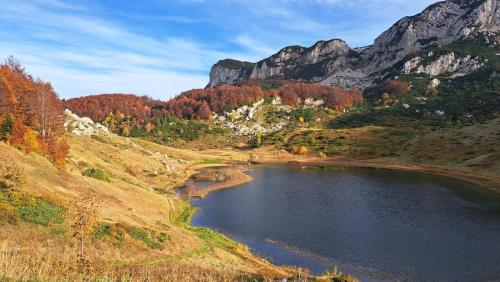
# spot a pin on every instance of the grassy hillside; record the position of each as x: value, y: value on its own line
x: 143, y: 231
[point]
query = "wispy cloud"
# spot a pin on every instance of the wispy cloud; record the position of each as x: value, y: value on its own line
x: 61, y: 5
x: 86, y: 50
x: 256, y: 47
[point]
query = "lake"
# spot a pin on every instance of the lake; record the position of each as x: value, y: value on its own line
x: 377, y: 224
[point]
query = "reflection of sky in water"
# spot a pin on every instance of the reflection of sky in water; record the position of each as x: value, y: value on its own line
x: 373, y: 223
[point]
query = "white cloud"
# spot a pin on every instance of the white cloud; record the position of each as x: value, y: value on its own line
x: 254, y: 46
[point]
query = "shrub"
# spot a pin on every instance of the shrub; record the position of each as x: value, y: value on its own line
x: 108, y: 230
x: 8, y: 212
x: 11, y: 176
x: 97, y: 173
x: 17, y: 198
x: 303, y: 114
x: 302, y: 150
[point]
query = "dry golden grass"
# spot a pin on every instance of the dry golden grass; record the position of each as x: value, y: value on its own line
x: 56, y: 260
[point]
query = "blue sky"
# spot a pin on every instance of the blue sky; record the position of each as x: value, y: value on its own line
x: 162, y: 47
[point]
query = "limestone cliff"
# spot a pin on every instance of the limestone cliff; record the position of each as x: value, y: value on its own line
x: 333, y: 62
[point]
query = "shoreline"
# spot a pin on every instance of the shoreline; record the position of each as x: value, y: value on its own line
x: 488, y: 182
x: 478, y: 179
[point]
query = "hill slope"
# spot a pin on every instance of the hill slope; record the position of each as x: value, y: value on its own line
x: 143, y: 231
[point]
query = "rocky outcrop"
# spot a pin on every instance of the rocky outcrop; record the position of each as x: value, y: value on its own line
x: 333, y: 62
x: 447, y: 63
x: 82, y: 126
x: 298, y: 63
x: 440, y: 23
x: 229, y: 72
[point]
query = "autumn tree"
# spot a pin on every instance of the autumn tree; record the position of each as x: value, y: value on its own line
x: 49, y: 117
x: 58, y: 151
x: 397, y: 87
x: 204, y: 111
x: 82, y: 216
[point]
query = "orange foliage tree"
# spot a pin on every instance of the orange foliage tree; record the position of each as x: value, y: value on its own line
x: 36, y: 110
x: 397, y: 87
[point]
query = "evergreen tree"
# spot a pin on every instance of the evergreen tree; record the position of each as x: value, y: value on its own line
x: 6, y: 127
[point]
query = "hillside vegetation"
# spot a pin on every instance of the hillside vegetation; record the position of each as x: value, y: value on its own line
x: 142, y: 230
x: 94, y: 206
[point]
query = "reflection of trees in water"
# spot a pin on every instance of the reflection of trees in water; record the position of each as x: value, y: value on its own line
x: 189, y: 189
x: 215, y: 175
x: 222, y: 175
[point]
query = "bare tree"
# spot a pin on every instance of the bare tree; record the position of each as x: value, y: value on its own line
x: 49, y: 110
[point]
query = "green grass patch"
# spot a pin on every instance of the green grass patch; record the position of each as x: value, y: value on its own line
x: 212, y: 238
x: 41, y: 212
x: 96, y: 173
x: 141, y: 235
x: 210, y: 160
x: 183, y: 217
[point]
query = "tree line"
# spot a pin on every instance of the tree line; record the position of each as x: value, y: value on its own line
x: 199, y: 104
x: 31, y: 113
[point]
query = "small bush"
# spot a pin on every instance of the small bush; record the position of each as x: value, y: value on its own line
x: 96, y: 173
x: 11, y: 175
x: 8, y: 212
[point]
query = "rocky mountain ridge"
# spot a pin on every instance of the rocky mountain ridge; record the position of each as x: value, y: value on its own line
x: 334, y: 62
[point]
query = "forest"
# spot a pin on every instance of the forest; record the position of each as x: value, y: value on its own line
x: 198, y: 104
x: 31, y: 113
x: 98, y: 107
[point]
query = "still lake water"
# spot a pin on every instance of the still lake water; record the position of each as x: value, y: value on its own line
x: 377, y: 224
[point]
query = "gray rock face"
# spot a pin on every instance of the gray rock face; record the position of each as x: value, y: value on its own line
x: 229, y: 72
x: 333, y: 62
x: 440, y: 23
x: 447, y: 63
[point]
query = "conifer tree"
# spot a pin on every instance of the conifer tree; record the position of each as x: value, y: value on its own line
x: 6, y: 127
